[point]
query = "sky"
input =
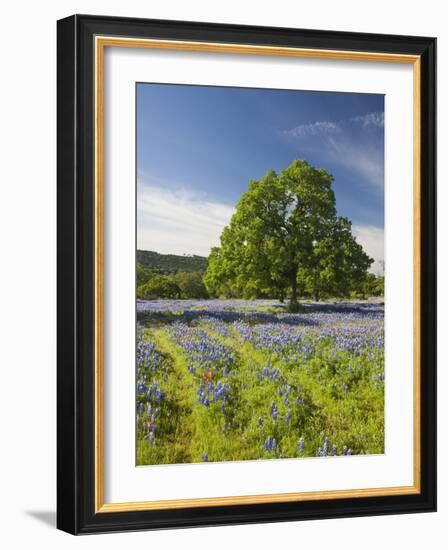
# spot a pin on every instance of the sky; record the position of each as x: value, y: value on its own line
x: 199, y: 146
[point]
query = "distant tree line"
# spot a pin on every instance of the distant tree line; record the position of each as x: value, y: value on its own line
x: 190, y: 285
x: 373, y: 285
x: 184, y: 284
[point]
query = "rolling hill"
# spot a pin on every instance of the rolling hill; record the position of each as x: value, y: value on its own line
x: 170, y: 263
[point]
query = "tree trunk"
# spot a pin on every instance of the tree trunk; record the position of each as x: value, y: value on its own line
x: 294, y: 285
x: 293, y: 304
x: 316, y: 291
x: 293, y: 289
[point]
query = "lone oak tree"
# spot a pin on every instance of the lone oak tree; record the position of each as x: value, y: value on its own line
x: 285, y: 233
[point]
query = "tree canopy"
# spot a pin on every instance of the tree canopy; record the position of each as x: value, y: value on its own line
x: 285, y: 239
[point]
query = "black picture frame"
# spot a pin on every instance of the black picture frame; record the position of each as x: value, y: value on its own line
x: 76, y: 272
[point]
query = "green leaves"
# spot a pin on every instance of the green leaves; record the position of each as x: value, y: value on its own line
x: 159, y: 286
x: 286, y: 239
x: 191, y: 285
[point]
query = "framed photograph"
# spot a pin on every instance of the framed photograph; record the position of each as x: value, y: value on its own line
x: 246, y: 274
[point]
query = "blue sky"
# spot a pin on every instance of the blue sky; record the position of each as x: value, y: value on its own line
x: 198, y: 147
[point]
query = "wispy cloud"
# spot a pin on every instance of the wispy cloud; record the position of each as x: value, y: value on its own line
x: 178, y: 222
x: 370, y: 119
x: 354, y: 143
x: 372, y: 240
x: 366, y: 162
x: 314, y: 129
x: 324, y: 127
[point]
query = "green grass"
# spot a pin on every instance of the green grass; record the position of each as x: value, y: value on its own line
x: 334, y: 395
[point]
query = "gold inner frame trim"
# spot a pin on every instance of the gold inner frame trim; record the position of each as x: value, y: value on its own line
x: 101, y: 42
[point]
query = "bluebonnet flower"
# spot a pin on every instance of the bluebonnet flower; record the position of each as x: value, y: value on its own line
x: 334, y: 450
x: 344, y: 450
x: 325, y: 448
x: 204, y: 457
x: 348, y: 337
x: 267, y: 444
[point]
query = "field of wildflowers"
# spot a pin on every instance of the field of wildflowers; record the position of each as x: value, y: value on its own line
x: 222, y: 380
